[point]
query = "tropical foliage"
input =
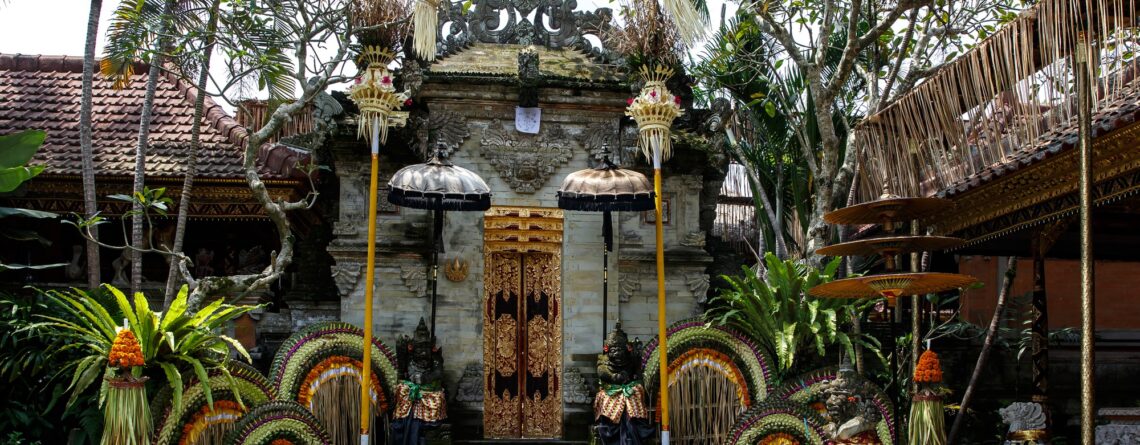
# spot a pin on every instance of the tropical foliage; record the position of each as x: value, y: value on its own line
x: 789, y: 324
x: 16, y: 151
x: 33, y: 393
x: 172, y: 343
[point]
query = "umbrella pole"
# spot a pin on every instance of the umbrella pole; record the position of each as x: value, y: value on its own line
x: 435, y: 259
x: 607, y: 240
x: 662, y: 326
x: 369, y: 279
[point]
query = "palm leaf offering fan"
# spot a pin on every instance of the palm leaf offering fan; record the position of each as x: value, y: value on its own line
x: 320, y: 368
x: 198, y: 421
x: 279, y: 423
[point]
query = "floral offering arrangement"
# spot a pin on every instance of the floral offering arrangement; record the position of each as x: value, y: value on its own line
x: 927, y: 419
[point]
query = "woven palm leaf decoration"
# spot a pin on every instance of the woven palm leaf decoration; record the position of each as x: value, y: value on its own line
x: 654, y: 110
x: 320, y: 368
x: 279, y: 423
x: 426, y: 20
x: 805, y: 390
x: 690, y: 23
x: 778, y: 422
x: 196, y: 420
x: 375, y: 93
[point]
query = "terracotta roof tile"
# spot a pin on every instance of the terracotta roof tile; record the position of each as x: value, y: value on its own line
x: 1113, y: 116
x: 44, y: 92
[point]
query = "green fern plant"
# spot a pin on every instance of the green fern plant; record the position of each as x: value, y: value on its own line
x: 172, y: 342
x: 778, y: 313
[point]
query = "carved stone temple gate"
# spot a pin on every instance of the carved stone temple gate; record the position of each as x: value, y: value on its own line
x: 522, y: 323
x: 520, y: 297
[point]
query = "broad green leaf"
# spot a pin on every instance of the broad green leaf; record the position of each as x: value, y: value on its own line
x: 174, y: 379
x: 125, y: 307
x: 26, y: 213
x: 12, y: 177
x: 238, y: 347
x: 17, y: 149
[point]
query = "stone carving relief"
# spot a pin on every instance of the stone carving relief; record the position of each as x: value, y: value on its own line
x: 1118, y: 434
x: 599, y: 137
x: 691, y: 182
x: 347, y: 276
x: 694, y: 239
x: 525, y: 162
x: 575, y: 390
x: 470, y: 388
x: 555, y: 24
x: 1024, y: 416
x: 440, y: 130
x: 353, y: 199
x: 699, y: 286
x: 629, y: 284
x: 415, y: 279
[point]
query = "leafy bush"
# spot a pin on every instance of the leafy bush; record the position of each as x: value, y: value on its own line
x: 172, y: 343
x: 777, y: 312
x: 32, y: 388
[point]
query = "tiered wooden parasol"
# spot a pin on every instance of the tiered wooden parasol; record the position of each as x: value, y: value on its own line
x: 890, y: 211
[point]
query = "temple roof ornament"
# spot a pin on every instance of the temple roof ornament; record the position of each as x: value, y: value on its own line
x: 549, y: 23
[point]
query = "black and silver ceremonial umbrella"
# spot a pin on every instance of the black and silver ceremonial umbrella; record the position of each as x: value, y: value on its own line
x: 606, y: 189
x: 438, y: 185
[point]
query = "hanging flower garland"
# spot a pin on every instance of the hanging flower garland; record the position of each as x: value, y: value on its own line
x: 126, y: 415
x: 927, y: 418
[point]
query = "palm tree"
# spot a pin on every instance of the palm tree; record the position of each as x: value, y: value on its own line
x: 90, y: 207
x: 173, y: 277
x: 776, y: 135
x: 125, y: 40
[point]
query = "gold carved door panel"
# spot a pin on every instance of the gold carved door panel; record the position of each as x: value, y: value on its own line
x: 522, y: 334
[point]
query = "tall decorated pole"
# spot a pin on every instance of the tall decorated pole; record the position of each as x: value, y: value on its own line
x: 654, y: 110
x: 378, y: 100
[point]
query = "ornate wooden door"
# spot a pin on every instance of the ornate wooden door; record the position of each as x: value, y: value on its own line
x: 522, y: 327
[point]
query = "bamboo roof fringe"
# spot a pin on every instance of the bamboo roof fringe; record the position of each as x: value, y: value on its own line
x: 1005, y: 94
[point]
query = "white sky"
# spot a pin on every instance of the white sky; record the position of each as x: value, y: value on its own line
x: 59, y: 27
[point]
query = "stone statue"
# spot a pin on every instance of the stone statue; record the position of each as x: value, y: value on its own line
x: 202, y: 262
x: 851, y: 413
x: 75, y: 266
x: 620, y: 413
x: 421, y: 403
x: 1027, y: 423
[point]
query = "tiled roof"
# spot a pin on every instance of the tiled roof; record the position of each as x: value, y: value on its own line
x: 1113, y: 116
x: 44, y: 92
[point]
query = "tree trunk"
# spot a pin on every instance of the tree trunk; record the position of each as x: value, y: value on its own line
x: 987, y: 344
x: 173, y: 277
x: 90, y: 205
x: 137, y: 220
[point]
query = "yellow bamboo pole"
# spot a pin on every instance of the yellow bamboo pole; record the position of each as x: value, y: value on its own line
x: 369, y: 279
x: 662, y: 326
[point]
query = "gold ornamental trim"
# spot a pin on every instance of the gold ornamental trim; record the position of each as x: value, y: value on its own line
x: 1114, y: 155
x: 522, y: 349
